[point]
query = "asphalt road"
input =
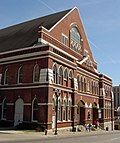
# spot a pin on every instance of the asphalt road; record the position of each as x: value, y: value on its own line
x: 89, y: 138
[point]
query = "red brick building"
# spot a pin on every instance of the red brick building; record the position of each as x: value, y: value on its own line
x: 49, y: 58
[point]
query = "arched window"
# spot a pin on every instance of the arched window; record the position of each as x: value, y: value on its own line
x: 55, y: 74
x: 76, y: 40
x: 82, y: 84
x: 35, y: 110
x: 85, y: 84
x: 6, y: 76
x: 59, y: 109
x: 66, y: 77
x: 88, y: 85
x: 78, y: 81
x: 36, y: 73
x: 20, y: 75
x: 64, y: 109
x: 60, y: 76
x: 92, y: 85
x: 69, y: 108
x: 70, y: 78
x: 4, y: 109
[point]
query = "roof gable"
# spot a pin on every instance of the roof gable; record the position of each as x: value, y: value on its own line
x: 25, y: 34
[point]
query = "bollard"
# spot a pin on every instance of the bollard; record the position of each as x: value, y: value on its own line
x: 45, y: 131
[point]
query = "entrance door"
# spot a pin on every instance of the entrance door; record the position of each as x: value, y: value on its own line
x: 53, y: 122
x: 95, y: 115
x: 19, y: 106
x: 81, y: 106
x: 82, y: 115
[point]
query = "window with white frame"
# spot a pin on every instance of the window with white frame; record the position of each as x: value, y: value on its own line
x: 85, y: 84
x: 70, y: 78
x: 76, y: 40
x: 4, y: 109
x: 35, y: 109
x: 64, y: 39
x: 59, y: 109
x: 6, y: 77
x: 66, y: 76
x: 20, y: 75
x: 60, y: 76
x: 78, y: 81
x: 55, y: 74
x: 82, y: 84
x: 69, y: 108
x: 36, y: 73
x: 64, y: 109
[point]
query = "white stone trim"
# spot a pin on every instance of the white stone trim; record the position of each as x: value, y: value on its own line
x: 108, y: 124
x: 90, y: 106
x: 50, y: 76
x: 44, y: 104
x: 69, y: 65
x: 86, y: 105
x: 28, y: 87
x: 27, y: 48
x: 88, y: 73
x: 16, y: 61
x: 85, y: 33
x: 27, y: 104
x: 64, y: 35
x: 24, y: 87
x: 91, y: 96
x: 75, y: 84
x: 24, y: 56
x: 43, y: 75
x: 57, y: 48
x: 10, y: 104
x: 82, y: 61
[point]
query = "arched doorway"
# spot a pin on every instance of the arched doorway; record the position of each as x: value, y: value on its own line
x: 19, y: 106
x: 95, y: 113
x: 81, y: 113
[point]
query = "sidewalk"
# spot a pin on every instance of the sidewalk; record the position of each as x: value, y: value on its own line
x: 60, y: 132
x: 12, y: 135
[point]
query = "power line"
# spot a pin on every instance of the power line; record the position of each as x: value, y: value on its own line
x: 47, y: 5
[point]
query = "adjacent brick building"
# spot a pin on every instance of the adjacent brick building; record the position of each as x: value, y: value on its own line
x: 49, y: 58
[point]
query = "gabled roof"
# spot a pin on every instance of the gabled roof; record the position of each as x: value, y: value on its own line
x: 25, y: 34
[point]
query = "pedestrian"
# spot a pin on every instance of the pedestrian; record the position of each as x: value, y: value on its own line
x: 89, y: 127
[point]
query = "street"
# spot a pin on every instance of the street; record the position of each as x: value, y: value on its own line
x: 87, y: 138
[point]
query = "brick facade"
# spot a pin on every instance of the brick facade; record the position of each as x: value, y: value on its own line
x: 84, y: 95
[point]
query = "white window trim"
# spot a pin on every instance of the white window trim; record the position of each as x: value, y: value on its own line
x: 5, y: 76
x: 64, y: 35
x: 18, y: 75
x: 32, y: 110
x: 34, y: 74
x: 3, y: 109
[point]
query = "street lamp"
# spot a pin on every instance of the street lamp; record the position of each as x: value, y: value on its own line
x: 57, y: 93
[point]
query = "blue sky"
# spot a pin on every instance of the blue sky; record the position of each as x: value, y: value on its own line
x: 101, y: 20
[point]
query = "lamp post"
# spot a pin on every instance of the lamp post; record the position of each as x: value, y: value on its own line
x: 57, y: 92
